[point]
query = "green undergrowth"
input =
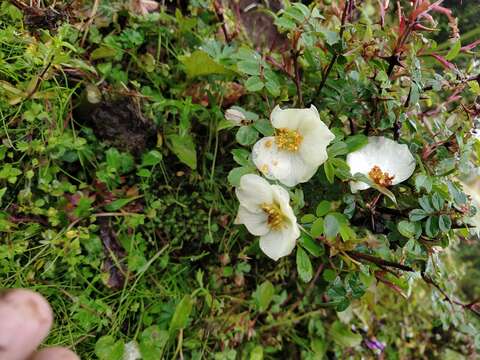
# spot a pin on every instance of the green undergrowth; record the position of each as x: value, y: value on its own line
x: 117, y: 201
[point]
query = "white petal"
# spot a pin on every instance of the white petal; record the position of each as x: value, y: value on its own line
x: 356, y: 186
x: 285, y: 166
x: 253, y: 192
x: 292, y: 118
x: 264, y: 156
x: 235, y: 116
x: 256, y: 223
x: 390, y: 156
x: 292, y: 170
x: 316, y: 137
x: 282, y: 198
x: 280, y: 243
x: 132, y: 351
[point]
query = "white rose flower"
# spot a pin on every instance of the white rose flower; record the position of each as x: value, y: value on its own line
x: 266, y: 212
x: 236, y: 117
x: 383, y: 160
x: 297, y: 149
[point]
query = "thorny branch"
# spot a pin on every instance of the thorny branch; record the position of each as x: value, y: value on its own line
x: 310, y: 287
x: 472, y: 306
x: 219, y: 12
x: 347, y: 10
x: 378, y: 261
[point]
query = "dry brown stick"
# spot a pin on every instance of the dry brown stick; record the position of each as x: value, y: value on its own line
x: 378, y: 261
x: 219, y: 12
x: 89, y: 21
x: 346, y: 10
x: 472, y: 306
x: 297, y: 78
x: 310, y: 287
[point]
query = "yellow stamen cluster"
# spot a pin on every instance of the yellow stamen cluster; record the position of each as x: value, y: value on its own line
x: 275, y: 216
x: 379, y: 177
x: 287, y: 139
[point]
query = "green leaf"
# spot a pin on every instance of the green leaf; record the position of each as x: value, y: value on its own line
x: 317, y: 228
x: 343, y: 336
x: 184, y: 148
x: 459, y: 197
x: 331, y: 226
x: 273, y: 87
x: 152, y: 341
x: 323, y: 208
x: 331, y: 37
x: 181, y: 315
x: 308, y: 218
x: 319, y: 347
x: 10, y: 173
x: 264, y: 127
x: 199, y: 63
x: 382, y: 189
x: 309, y: 244
x: 475, y: 87
x: 342, y: 170
x: 329, y: 171
x: 424, y: 202
x: 431, y: 226
x: 346, y: 232
x: 297, y: 12
x: 83, y: 207
x: 119, y: 203
x: 240, y: 156
x: 356, y: 142
x: 263, y: 295
x: 417, y: 215
x: 454, y: 50
x: 249, y: 67
x: 284, y: 23
x: 224, y: 124
x: 329, y: 275
x: 385, y: 192
x: 337, y: 149
x: 107, y: 349
x: 444, y: 223
x: 254, y: 83
x: 256, y: 353
x: 103, y: 52
x: 235, y: 174
x: 2, y: 192
x: 406, y: 228
x: 423, y: 181
x: 304, y: 266
x: 121, y: 162
x: 152, y: 158
x: 144, y: 173
x: 246, y: 135
x: 437, y: 202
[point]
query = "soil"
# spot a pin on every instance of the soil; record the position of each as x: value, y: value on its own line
x: 36, y: 18
x: 259, y: 24
x: 120, y: 123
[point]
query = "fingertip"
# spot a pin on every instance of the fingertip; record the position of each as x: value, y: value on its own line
x: 26, y: 320
x: 55, y: 353
x: 34, y: 303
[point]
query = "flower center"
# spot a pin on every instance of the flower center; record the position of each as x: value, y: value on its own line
x: 379, y: 177
x: 275, y: 216
x: 287, y: 139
